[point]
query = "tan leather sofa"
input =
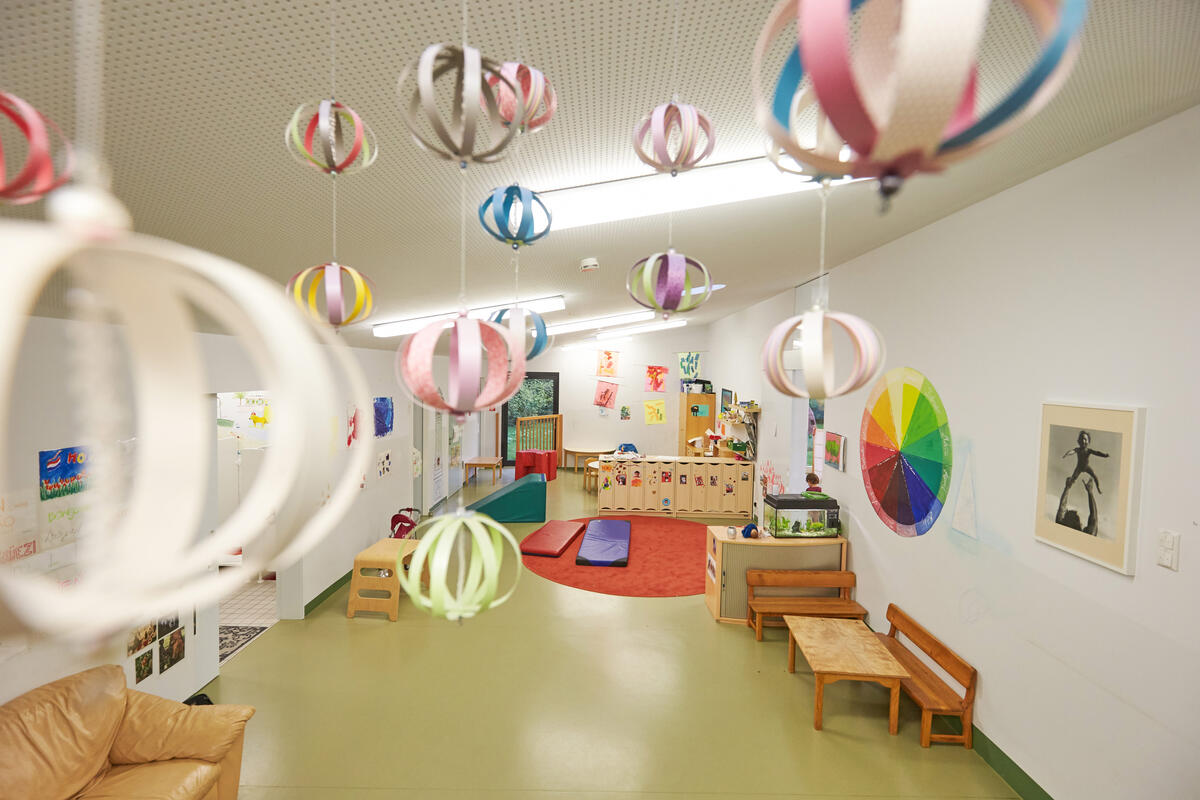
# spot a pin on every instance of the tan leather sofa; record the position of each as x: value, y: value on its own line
x: 88, y: 737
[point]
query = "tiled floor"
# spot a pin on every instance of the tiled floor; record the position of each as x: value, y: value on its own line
x: 253, y: 604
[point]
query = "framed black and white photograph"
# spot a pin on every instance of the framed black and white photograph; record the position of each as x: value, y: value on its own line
x: 1089, y: 481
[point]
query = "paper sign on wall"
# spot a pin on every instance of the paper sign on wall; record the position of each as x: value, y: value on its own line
x: 656, y: 378
x: 62, y: 472
x: 689, y: 365
x: 606, y: 395
x: 606, y: 363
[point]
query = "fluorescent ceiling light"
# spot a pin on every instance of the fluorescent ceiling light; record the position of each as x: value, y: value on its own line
x: 636, y: 329
x: 648, y: 195
x: 700, y: 289
x: 542, y: 305
x: 599, y: 322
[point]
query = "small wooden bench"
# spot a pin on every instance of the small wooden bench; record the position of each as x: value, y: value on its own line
x: 926, y: 689
x: 841, y: 607
x: 375, y: 571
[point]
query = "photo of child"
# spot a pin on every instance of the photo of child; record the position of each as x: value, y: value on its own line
x: 1081, y: 463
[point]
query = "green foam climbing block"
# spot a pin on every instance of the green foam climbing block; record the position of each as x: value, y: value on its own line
x: 523, y: 500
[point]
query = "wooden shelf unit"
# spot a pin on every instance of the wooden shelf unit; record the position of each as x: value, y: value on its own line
x: 676, y: 486
x: 726, y: 562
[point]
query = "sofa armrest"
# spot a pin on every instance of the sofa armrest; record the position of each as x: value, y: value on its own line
x: 157, y: 729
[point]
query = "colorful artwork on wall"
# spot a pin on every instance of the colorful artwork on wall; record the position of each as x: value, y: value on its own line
x: 385, y: 413
x: 383, y: 464
x: 726, y: 400
x: 625, y: 415
x: 1089, y: 482
x: 170, y: 650
x: 141, y: 636
x: 689, y: 365
x: 835, y: 451
x: 353, y: 419
x: 143, y: 666
x: 656, y: 378
x: 62, y: 472
x: 656, y: 412
x: 606, y: 394
x: 606, y: 363
x: 905, y: 451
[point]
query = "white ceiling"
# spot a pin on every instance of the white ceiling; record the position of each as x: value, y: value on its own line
x: 197, y: 93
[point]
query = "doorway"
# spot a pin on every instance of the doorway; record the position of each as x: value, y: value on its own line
x: 537, y: 396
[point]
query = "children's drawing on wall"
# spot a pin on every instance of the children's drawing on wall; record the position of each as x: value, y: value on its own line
x: 656, y: 412
x: 247, y: 413
x: 772, y: 481
x: 18, y: 526
x: 415, y: 461
x: 62, y: 472
x: 384, y: 464
x: 816, y: 430
x: 689, y: 365
x: 606, y: 363
x: 656, y: 378
x: 606, y: 394
x: 698, y: 410
x: 1082, y: 464
x: 353, y: 418
x: 385, y: 413
x: 835, y: 448
x: 625, y: 415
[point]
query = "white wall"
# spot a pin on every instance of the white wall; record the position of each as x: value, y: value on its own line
x: 584, y: 426
x: 1079, y: 285
x: 43, y: 419
x: 735, y: 363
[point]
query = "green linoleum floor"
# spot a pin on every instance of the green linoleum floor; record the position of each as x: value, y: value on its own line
x: 563, y: 693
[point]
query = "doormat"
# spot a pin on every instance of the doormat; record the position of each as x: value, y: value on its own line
x: 232, y: 638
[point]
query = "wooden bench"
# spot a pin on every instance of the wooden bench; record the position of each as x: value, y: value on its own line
x: 927, y: 690
x: 841, y: 607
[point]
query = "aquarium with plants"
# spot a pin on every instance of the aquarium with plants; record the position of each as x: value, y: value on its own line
x: 797, y: 515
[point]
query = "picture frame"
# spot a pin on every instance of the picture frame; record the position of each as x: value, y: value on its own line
x: 1089, y: 481
x: 835, y: 451
x: 726, y: 400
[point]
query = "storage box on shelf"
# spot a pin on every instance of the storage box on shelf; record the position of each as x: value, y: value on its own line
x: 675, y: 486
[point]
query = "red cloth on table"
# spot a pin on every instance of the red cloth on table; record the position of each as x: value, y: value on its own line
x: 543, y: 461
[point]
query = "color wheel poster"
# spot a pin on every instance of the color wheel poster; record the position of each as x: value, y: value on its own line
x: 905, y: 451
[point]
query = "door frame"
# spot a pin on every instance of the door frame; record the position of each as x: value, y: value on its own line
x: 509, y: 458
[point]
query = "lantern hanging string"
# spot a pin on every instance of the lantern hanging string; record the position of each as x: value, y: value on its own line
x: 89, y: 95
x: 821, y: 292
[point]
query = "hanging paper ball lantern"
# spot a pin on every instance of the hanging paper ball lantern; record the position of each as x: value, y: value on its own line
x: 329, y: 276
x: 690, y: 124
x: 335, y: 140
x: 477, y: 583
x: 538, y: 101
x: 498, y: 207
x: 904, y: 97
x: 662, y: 282
x: 36, y: 176
x: 501, y: 372
x: 816, y: 352
x: 143, y: 374
x: 517, y: 330
x: 827, y: 143
x: 460, y: 140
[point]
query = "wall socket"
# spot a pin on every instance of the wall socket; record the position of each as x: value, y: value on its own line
x: 1168, y: 550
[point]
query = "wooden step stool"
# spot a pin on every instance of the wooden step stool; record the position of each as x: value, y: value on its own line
x: 386, y: 554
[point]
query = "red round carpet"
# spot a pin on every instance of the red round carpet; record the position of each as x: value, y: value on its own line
x: 666, y: 559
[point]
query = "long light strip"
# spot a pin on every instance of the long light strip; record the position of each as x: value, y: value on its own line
x: 649, y: 195
x: 596, y: 323
x: 618, y: 333
x: 542, y: 305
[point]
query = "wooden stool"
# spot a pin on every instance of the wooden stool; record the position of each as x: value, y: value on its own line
x: 591, y: 475
x: 385, y: 554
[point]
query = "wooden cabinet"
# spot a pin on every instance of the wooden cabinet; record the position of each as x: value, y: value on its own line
x: 726, y: 562
x: 676, y: 486
x: 697, y: 413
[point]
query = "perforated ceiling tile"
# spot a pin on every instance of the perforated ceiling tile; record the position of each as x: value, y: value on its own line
x: 197, y: 93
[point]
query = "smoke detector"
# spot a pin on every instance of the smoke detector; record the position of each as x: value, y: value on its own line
x: 589, y: 264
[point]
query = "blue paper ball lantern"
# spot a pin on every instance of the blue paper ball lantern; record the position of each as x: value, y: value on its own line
x: 498, y: 209
x: 540, y: 340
